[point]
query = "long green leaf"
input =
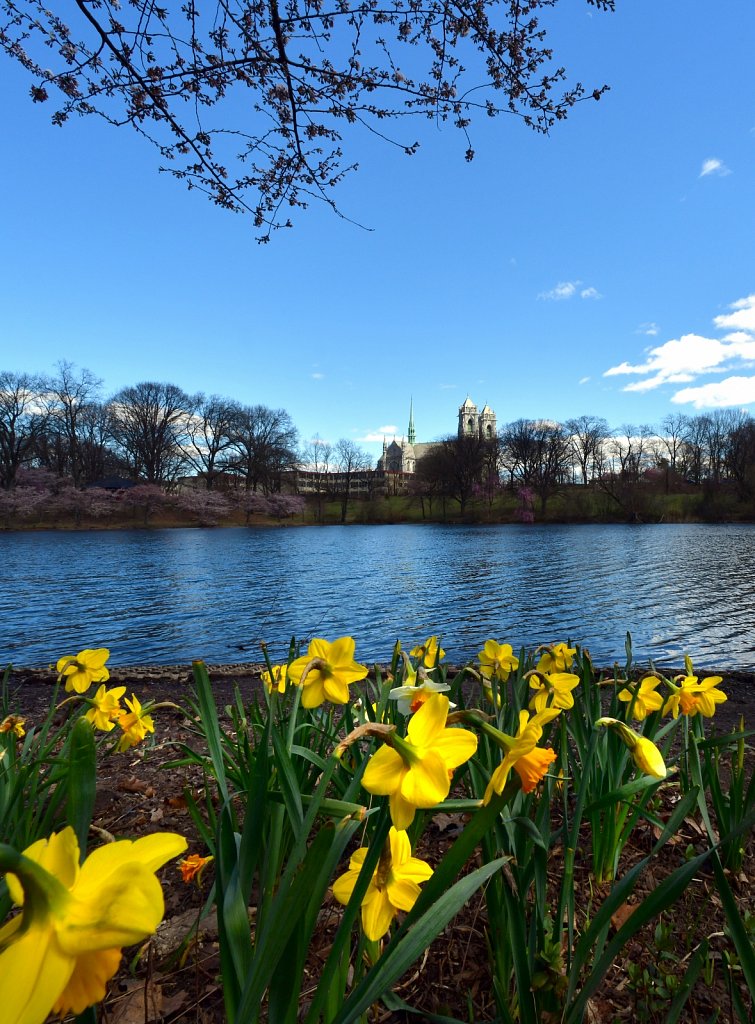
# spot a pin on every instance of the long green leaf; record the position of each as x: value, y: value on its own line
x: 401, y: 954
x: 82, y: 781
x: 659, y: 900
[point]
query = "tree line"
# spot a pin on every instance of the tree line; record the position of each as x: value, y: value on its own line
x: 541, y: 456
x: 155, y: 433
x: 150, y: 432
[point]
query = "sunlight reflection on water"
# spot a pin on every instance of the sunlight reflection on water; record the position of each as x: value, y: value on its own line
x: 167, y: 596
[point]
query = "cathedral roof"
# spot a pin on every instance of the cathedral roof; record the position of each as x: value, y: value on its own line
x: 468, y: 403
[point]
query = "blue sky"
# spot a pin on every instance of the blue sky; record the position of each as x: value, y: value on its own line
x: 607, y: 269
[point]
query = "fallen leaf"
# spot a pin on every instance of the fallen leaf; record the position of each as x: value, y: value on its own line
x: 134, y: 785
x: 136, y: 1006
x: 620, y: 916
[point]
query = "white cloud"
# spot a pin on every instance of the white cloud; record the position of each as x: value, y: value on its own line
x: 719, y: 394
x: 743, y: 317
x: 650, y: 329
x: 567, y: 290
x: 714, y: 166
x: 563, y: 290
x: 386, y: 433
x: 318, y: 376
x: 683, y: 360
x: 448, y: 387
x: 584, y: 380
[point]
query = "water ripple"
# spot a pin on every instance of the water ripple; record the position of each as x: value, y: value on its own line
x: 165, y: 597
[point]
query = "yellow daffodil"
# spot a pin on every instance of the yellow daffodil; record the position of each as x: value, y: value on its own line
x: 553, y: 689
x: 645, y: 698
x: 58, y: 955
x: 86, y: 668
x: 193, y: 866
x: 429, y: 653
x: 416, y: 771
x: 692, y: 696
x: 326, y: 672
x: 522, y: 753
x: 646, y: 755
x: 14, y: 724
x: 277, y: 680
x: 136, y: 723
x: 497, y: 661
x: 393, y: 887
x: 106, y: 707
x: 556, y: 658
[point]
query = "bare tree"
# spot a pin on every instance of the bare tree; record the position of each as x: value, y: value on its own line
x: 350, y: 460
x: 317, y: 457
x: 454, y: 467
x: 70, y: 394
x: 674, y: 429
x: 210, y: 432
x: 264, y: 444
x: 537, y: 453
x: 309, y: 70
x: 739, y: 457
x: 149, y: 425
x: 22, y: 422
x: 587, y: 435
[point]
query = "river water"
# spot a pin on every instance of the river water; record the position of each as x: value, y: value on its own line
x: 165, y: 597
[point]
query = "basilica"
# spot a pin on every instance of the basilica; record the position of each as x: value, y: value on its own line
x: 402, y: 456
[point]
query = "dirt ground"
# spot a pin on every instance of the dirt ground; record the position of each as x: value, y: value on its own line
x: 173, y: 985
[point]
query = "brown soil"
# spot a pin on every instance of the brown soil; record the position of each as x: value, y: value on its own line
x: 174, y: 985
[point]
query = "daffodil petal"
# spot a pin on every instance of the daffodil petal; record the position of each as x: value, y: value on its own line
x: 429, y: 721
x: 402, y: 812
x: 33, y: 971
x: 456, y: 746
x: 427, y: 782
x: 343, y: 886
x: 377, y: 914
x: 114, y: 914
x: 403, y: 892
x: 384, y: 772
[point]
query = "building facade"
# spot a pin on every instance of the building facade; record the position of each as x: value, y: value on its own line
x: 402, y: 456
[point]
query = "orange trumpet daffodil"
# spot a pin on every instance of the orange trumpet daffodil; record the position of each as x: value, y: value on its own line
x: 416, y: 772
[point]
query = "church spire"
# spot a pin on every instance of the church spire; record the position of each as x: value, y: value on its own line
x: 411, y: 436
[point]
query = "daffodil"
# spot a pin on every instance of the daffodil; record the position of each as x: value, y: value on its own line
x: 135, y: 723
x: 393, y: 887
x: 692, y: 696
x: 106, y: 707
x: 86, y: 668
x: 646, y: 755
x: 556, y: 658
x: 522, y: 753
x: 277, y: 679
x: 14, y: 724
x: 497, y: 661
x: 645, y: 698
x: 58, y: 955
x: 429, y: 653
x: 412, y: 695
x: 326, y: 672
x: 193, y: 866
x: 553, y: 689
x: 416, y: 771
